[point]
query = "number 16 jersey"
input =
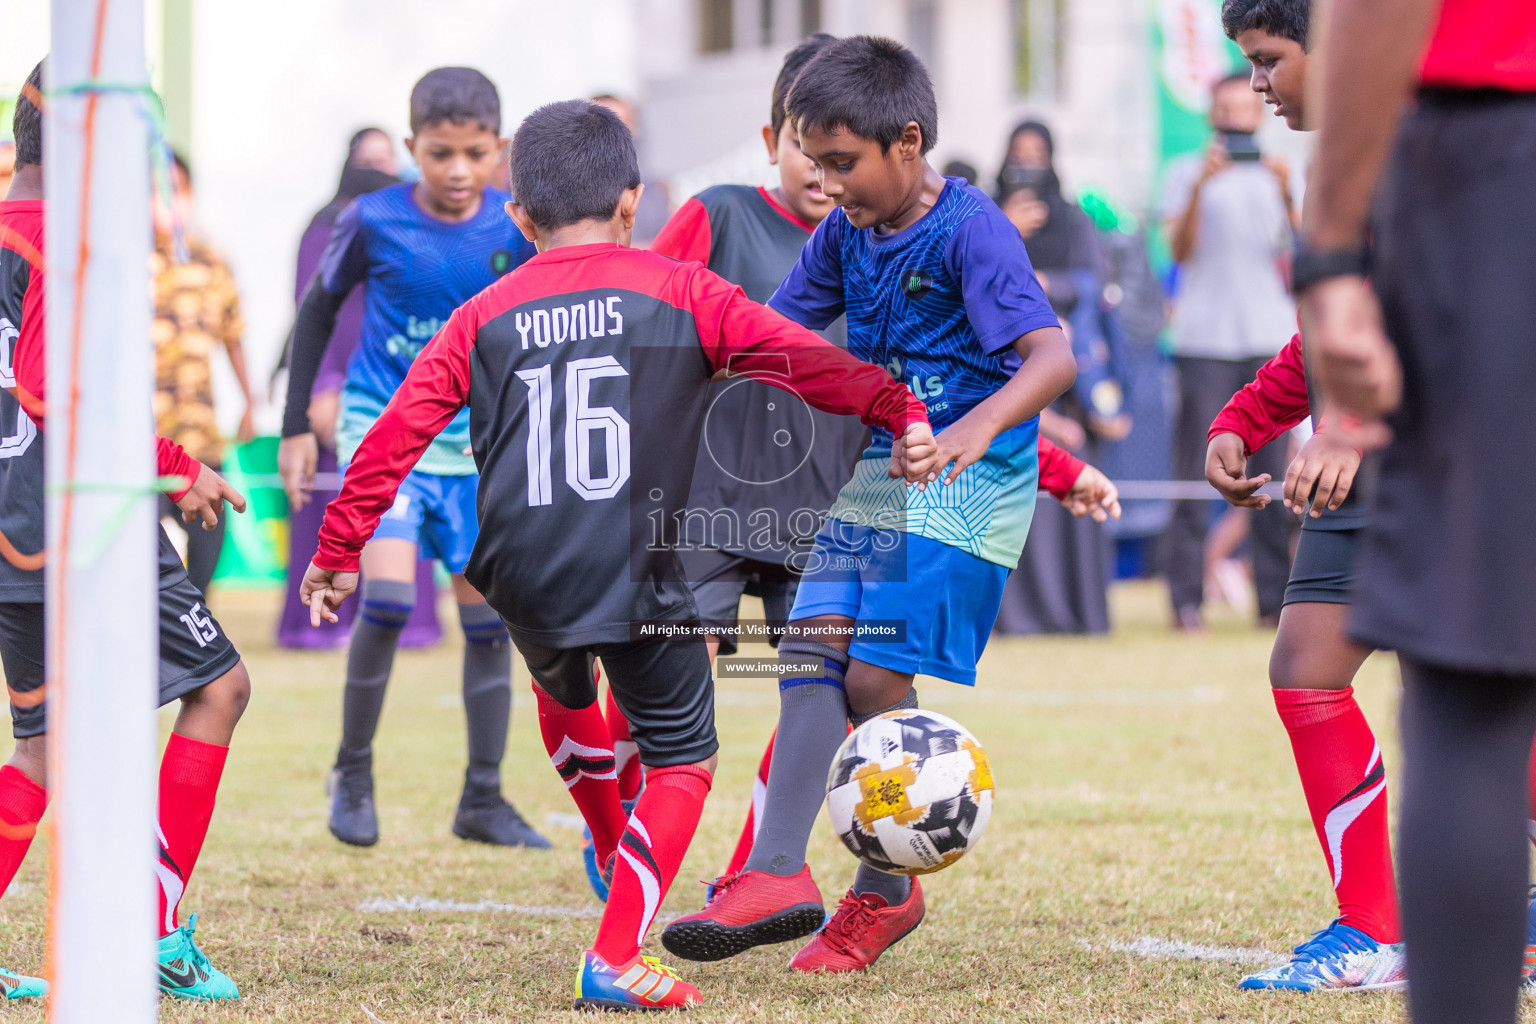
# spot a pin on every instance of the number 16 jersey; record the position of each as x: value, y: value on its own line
x: 586, y: 372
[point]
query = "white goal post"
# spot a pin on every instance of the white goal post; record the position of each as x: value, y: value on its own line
x: 102, y: 640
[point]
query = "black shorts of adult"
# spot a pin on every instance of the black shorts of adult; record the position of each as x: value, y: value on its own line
x: 1323, y: 571
x: 193, y: 648
x: 718, y: 580
x: 663, y: 687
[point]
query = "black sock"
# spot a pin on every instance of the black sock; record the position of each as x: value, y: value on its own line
x: 487, y: 699
x: 1462, y: 850
x: 385, y: 607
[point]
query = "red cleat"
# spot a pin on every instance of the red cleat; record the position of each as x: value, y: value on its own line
x: 862, y: 928
x: 750, y: 908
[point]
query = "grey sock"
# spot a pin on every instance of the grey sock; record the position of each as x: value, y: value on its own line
x: 813, y: 721
x: 895, y: 888
x: 386, y: 605
x: 487, y: 699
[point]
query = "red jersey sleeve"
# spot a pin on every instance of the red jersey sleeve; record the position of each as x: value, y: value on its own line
x: 747, y: 338
x: 30, y: 361
x: 433, y: 392
x: 686, y: 237
x: 1274, y: 402
x: 171, y: 459
x: 1059, y: 469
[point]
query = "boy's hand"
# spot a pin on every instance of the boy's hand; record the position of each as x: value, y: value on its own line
x: 1094, y: 494
x: 961, y: 443
x: 1356, y: 364
x: 324, y: 591
x: 1226, y: 467
x: 1329, y: 464
x: 205, y: 500
x: 914, y: 455
x: 297, y: 459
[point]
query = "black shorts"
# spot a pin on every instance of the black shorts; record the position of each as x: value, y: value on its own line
x: 1448, y: 565
x: 663, y: 688
x: 193, y: 648
x: 1323, y: 571
x: 718, y: 579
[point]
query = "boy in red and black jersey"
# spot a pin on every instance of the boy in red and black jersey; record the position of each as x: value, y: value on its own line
x: 768, y: 469
x: 585, y: 371
x: 198, y: 664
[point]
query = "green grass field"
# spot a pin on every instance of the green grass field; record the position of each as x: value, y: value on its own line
x: 1145, y: 792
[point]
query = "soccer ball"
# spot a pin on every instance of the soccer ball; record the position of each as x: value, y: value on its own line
x: 910, y: 792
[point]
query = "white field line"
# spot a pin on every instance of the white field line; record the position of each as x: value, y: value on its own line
x: 407, y: 904
x: 1167, y: 949
x: 371, y: 1015
x: 574, y: 822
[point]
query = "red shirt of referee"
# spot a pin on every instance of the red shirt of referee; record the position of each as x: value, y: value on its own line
x: 1430, y: 112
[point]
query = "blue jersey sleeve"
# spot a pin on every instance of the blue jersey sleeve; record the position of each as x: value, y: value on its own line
x: 812, y: 294
x: 345, y: 263
x: 1003, y: 300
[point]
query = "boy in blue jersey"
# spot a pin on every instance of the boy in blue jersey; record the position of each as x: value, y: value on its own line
x: 937, y: 287
x: 422, y: 249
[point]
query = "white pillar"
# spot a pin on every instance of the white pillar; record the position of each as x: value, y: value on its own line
x: 102, y: 620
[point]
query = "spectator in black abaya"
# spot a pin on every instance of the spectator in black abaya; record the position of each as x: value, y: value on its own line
x: 1060, y: 585
x: 370, y: 166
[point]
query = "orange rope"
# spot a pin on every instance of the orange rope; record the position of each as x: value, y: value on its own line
x: 60, y: 645
x: 26, y: 563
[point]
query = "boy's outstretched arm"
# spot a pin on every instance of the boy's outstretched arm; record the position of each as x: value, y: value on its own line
x: 1047, y: 372
x: 433, y: 392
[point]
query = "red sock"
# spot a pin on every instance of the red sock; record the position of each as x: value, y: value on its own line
x: 1346, y: 787
x: 625, y: 753
x: 649, y: 855
x: 577, y: 742
x: 22, y: 803
x: 189, y: 783
x: 754, y: 812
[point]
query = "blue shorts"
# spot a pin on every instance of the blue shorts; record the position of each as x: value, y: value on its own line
x: 437, y: 514
x: 948, y: 598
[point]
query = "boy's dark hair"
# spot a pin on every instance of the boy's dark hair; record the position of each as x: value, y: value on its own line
x: 458, y: 95
x: 794, y: 62
x: 27, y: 123
x: 1288, y: 19
x: 570, y: 162
x: 866, y: 85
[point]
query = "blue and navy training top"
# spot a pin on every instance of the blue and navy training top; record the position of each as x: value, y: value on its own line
x: 418, y: 270
x: 938, y: 304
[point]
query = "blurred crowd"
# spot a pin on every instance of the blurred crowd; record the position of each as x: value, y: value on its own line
x: 1168, y: 313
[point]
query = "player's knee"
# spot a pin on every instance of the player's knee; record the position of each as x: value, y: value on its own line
x: 1293, y: 667
x: 387, y: 604
x: 227, y: 696
x: 31, y: 758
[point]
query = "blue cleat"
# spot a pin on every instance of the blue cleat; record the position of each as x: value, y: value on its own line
x: 600, y: 878
x: 20, y: 986
x: 186, y: 973
x: 1338, y: 957
x: 1528, y: 969
x: 644, y: 983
